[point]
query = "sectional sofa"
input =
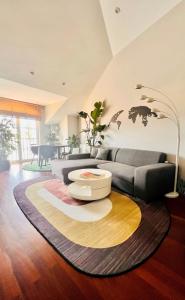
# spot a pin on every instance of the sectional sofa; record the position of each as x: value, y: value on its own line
x: 141, y: 173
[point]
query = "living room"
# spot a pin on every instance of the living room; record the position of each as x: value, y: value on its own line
x: 92, y: 149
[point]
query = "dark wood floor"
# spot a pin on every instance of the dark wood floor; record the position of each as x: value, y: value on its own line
x: 31, y: 269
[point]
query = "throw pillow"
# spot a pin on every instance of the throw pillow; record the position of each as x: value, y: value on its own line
x: 102, y: 154
x: 94, y: 152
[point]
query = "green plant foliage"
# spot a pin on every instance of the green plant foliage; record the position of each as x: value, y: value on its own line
x: 93, y: 124
x: 73, y: 141
x: 52, y: 136
x: 7, y: 138
x: 83, y: 114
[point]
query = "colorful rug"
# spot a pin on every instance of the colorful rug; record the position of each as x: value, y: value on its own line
x: 100, y: 238
x: 34, y: 167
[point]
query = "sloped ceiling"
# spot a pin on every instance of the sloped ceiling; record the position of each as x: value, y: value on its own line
x: 60, y: 41
x: 21, y: 92
x: 55, y: 51
x: 133, y: 18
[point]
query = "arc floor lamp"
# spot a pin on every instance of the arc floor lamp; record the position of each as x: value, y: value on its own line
x: 173, y: 116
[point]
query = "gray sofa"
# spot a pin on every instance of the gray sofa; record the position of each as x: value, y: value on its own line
x: 141, y: 173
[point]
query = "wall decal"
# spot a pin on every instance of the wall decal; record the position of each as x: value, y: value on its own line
x: 114, y: 119
x: 142, y: 111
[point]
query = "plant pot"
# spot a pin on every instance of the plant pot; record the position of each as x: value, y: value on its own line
x: 4, y: 165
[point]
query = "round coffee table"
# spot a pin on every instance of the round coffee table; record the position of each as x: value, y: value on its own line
x: 90, y: 184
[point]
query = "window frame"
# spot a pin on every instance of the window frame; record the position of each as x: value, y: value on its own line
x: 18, y: 129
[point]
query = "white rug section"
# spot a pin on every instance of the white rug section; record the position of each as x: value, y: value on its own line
x: 90, y: 212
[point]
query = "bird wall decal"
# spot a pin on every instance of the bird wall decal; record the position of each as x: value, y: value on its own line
x: 114, y: 119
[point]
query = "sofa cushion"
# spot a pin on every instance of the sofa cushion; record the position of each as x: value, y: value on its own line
x: 123, y: 175
x: 137, y: 158
x: 112, y: 154
x: 102, y: 154
x: 122, y: 171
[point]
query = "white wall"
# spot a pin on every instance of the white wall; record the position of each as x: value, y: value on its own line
x: 73, y: 125
x: 157, y: 59
x: 50, y: 111
x: 64, y: 130
x: 68, y: 126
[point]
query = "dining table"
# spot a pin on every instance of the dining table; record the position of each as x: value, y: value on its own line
x: 62, y: 150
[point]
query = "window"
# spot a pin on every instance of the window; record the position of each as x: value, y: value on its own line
x: 28, y: 136
x: 28, y: 133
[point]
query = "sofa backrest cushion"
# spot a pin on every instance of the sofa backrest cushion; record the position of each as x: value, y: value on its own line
x: 112, y: 154
x: 137, y: 158
x: 102, y: 154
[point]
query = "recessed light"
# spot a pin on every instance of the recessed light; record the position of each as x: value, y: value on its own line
x: 117, y: 10
x: 32, y: 73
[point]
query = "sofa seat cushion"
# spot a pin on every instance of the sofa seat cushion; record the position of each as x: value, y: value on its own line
x: 119, y: 170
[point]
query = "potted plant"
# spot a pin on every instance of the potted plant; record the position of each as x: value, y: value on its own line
x: 52, y: 137
x: 74, y: 143
x: 7, y: 143
x: 94, y: 128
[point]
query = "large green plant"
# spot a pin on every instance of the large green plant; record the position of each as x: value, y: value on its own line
x: 94, y: 128
x: 7, y: 138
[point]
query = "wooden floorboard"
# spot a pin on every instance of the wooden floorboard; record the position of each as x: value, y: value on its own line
x: 31, y: 269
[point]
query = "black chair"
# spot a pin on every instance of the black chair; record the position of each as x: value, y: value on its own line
x: 46, y: 152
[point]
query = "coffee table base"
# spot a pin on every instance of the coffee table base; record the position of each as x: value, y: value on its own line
x: 87, y: 193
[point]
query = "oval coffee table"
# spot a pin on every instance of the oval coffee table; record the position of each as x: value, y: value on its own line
x: 90, y: 184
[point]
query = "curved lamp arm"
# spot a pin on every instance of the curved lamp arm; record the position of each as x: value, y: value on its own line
x: 140, y: 86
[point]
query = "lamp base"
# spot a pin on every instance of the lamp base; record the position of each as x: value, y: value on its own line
x: 172, y: 195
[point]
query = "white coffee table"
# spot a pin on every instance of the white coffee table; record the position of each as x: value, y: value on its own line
x: 87, y: 188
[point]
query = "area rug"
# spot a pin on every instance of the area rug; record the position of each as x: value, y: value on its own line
x: 100, y: 238
x: 34, y: 167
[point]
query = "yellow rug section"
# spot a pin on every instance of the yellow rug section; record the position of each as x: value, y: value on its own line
x: 112, y: 230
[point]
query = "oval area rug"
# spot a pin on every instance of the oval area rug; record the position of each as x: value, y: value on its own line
x: 34, y: 167
x: 100, y: 238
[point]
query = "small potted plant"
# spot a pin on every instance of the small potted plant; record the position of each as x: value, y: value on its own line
x: 74, y: 143
x: 7, y: 143
x: 52, y: 137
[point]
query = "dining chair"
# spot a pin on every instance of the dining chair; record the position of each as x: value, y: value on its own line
x: 34, y: 150
x: 46, y: 153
